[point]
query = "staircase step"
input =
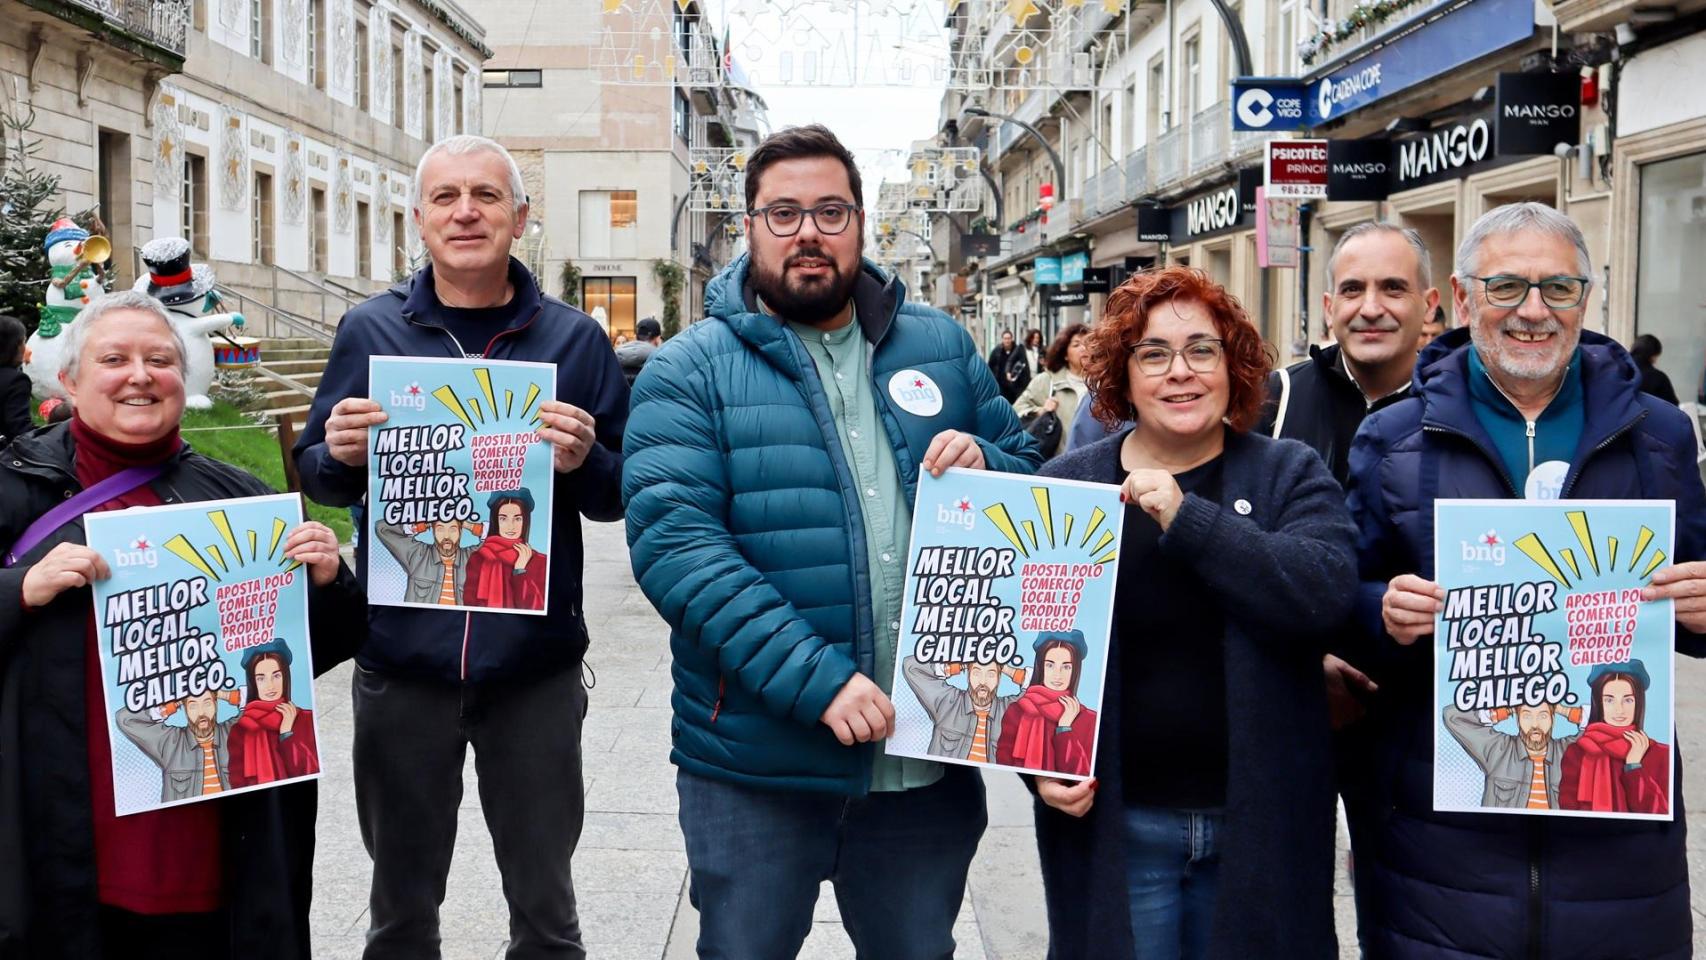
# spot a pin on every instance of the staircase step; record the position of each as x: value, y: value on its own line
x: 320, y: 355
x: 294, y: 368
x: 297, y: 414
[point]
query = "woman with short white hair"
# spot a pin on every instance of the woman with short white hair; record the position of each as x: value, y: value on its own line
x: 224, y: 878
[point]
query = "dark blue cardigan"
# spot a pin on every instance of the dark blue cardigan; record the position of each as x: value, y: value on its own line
x: 1286, y: 572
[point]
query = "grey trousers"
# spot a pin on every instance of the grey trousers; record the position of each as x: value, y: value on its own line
x: 410, y: 740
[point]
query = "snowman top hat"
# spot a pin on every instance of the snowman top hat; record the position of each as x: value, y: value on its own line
x: 170, y: 279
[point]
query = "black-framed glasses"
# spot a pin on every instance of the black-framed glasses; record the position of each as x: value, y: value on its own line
x: 1559, y: 293
x: 785, y: 219
x: 1202, y: 356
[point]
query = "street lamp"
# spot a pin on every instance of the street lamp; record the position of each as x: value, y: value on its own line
x: 1059, y: 168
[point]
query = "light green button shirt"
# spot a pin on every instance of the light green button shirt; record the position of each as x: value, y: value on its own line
x: 843, y: 364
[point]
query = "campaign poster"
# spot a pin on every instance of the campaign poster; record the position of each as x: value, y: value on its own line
x: 459, y: 485
x: 202, y: 631
x: 1004, y: 631
x: 1553, y: 679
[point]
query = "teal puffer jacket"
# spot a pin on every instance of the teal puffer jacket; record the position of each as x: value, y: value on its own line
x: 744, y: 524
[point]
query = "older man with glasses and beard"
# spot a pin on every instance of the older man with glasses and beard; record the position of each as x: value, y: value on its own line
x: 1518, y: 402
x: 770, y: 463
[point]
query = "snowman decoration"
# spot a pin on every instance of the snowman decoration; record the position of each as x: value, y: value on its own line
x: 69, y: 254
x: 189, y: 298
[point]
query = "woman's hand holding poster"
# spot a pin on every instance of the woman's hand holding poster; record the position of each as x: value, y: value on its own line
x: 459, y: 485
x: 1004, y: 631
x: 1552, y: 677
x: 202, y: 631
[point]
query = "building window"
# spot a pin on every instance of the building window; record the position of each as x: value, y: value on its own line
x: 1190, y: 96
x: 260, y: 30
x: 512, y: 78
x: 398, y: 82
x: 317, y: 229
x: 194, y: 202
x: 616, y: 296
x: 363, y: 240
x: 609, y: 223
x: 316, y: 56
x: 261, y: 219
x: 429, y: 115
x: 1285, y: 45
x: 461, y: 104
x: 683, y: 118
x: 1128, y: 125
x: 363, y: 83
x: 400, y: 246
x: 1156, y: 96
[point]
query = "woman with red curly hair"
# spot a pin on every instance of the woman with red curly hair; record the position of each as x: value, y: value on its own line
x: 1208, y: 829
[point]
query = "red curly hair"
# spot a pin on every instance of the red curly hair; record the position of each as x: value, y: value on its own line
x: 1124, y: 320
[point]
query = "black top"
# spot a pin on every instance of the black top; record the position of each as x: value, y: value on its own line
x: 14, y: 405
x: 1172, y: 634
x: 1655, y: 382
x: 475, y: 327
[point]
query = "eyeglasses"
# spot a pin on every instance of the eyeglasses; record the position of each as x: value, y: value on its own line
x: 1560, y: 293
x: 784, y: 219
x: 1201, y: 356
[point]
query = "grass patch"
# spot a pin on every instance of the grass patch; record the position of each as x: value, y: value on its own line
x: 255, y: 450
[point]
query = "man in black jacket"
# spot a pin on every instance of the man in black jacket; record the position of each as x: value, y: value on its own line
x: 430, y: 683
x: 1379, y: 292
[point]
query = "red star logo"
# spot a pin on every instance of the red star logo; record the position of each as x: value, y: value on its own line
x: 1491, y: 539
x: 965, y: 504
x: 142, y: 543
x: 414, y: 389
x: 918, y: 383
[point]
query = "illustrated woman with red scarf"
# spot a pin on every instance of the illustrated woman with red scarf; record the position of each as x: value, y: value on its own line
x: 1047, y: 728
x: 1614, y: 767
x: 274, y: 738
x: 505, y: 572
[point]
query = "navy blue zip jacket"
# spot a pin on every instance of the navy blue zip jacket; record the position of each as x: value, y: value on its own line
x: 476, y: 647
x: 1463, y: 886
x: 745, y: 527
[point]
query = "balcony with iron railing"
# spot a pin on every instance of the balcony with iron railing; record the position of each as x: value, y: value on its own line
x: 1167, y: 158
x: 1210, y: 129
x: 155, y: 29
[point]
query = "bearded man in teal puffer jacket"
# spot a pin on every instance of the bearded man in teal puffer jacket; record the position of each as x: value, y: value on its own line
x: 771, y: 458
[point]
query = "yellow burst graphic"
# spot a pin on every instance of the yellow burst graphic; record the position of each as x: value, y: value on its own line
x: 1024, y: 531
x: 473, y: 413
x: 211, y: 561
x: 1536, y: 550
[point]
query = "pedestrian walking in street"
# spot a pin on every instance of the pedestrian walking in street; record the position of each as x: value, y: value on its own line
x: 14, y: 384
x: 1007, y: 363
x: 1208, y: 829
x: 772, y: 456
x: 227, y: 878
x: 1034, y: 352
x: 1510, y: 403
x: 1058, y: 392
x: 428, y: 684
x: 633, y: 356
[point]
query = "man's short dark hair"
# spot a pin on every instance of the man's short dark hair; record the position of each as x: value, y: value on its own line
x: 648, y: 328
x: 12, y: 337
x: 799, y: 143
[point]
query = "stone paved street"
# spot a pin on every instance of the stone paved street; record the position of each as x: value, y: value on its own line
x: 631, y: 873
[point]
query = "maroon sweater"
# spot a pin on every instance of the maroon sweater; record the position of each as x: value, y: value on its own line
x: 163, y: 861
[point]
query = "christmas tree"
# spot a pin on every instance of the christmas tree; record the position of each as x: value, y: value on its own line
x: 28, y: 206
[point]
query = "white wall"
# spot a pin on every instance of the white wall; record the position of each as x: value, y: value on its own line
x: 1662, y: 86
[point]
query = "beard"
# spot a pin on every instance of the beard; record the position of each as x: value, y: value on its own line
x: 811, y: 301
x: 447, y: 548
x: 1534, y: 740
x: 1490, y: 344
x: 982, y: 697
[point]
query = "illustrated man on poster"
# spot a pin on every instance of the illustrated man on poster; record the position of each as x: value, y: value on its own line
x: 436, y: 570
x: 193, y: 759
x: 966, y: 723
x: 1522, y: 768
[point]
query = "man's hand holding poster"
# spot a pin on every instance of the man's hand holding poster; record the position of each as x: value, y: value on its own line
x: 1552, y: 677
x: 202, y: 631
x: 1004, y: 631
x: 459, y: 485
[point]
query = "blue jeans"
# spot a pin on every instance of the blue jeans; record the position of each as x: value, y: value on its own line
x: 898, y: 862
x: 1172, y: 872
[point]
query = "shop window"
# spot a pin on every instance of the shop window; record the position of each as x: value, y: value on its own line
x: 609, y: 223
x: 616, y: 296
x: 1670, y: 287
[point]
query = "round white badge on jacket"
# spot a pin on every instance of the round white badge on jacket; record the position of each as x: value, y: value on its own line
x: 916, y: 393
